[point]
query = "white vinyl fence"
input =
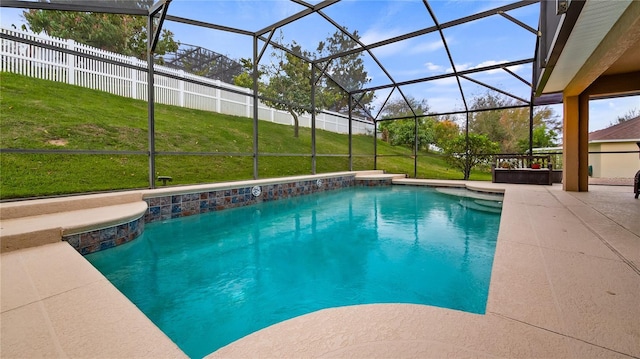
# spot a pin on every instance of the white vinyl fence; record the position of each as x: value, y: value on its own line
x: 35, y: 61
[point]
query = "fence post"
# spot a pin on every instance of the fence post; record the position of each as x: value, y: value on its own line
x: 134, y: 78
x: 218, y: 95
x: 272, y: 114
x: 248, y: 108
x: 181, y: 89
x: 71, y: 63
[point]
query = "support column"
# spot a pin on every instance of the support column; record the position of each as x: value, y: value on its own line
x: 375, y: 144
x: 583, y: 128
x: 255, y: 76
x: 350, y: 119
x: 151, y: 127
x: 575, y: 156
x: 415, y: 147
x: 313, y: 120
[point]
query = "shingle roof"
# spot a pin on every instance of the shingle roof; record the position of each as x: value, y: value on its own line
x: 628, y: 130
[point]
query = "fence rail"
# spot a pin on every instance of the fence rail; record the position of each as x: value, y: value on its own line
x: 50, y: 58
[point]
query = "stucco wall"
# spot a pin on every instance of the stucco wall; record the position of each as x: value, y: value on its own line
x: 595, y: 160
x: 614, y: 165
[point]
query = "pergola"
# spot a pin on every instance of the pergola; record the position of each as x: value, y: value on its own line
x: 390, y: 84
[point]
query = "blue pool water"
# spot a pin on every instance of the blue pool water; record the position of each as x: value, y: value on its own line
x: 210, y: 279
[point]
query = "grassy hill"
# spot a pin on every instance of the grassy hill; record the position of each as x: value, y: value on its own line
x: 39, y: 114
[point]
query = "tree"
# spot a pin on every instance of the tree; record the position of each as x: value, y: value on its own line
x: 290, y: 85
x: 444, y: 130
x: 631, y: 114
x: 402, y: 132
x: 398, y: 107
x: 510, y: 127
x: 542, y: 137
x: 287, y: 79
x: 465, y: 155
x: 488, y: 122
x: 123, y: 34
x: 346, y: 71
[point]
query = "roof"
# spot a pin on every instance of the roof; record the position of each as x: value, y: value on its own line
x: 627, y: 130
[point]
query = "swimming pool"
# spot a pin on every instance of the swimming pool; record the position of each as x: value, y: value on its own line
x: 211, y: 279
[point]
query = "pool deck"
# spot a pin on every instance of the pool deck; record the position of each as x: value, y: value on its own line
x: 565, y: 283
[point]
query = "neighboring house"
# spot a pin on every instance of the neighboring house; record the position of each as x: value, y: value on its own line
x: 623, y: 137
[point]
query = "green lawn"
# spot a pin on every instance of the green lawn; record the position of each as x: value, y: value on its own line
x: 39, y: 114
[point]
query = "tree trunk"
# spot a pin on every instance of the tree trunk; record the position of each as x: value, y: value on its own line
x: 467, y: 167
x: 295, y: 123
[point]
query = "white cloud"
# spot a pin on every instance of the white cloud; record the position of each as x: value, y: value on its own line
x: 425, y: 47
x: 460, y: 67
x: 515, y: 68
x: 489, y: 63
x: 433, y: 67
x: 410, y: 46
x: 602, y: 113
x: 445, y: 103
x: 468, y: 66
x: 374, y: 35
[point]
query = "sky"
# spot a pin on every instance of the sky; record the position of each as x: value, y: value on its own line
x: 475, y: 44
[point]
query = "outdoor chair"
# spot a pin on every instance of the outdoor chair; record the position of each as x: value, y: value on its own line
x: 636, y: 184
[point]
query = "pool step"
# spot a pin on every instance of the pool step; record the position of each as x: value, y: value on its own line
x: 494, y: 204
x: 36, y: 222
x: 36, y: 230
x: 478, y: 206
x: 378, y: 175
x: 463, y: 192
x: 485, y: 202
x: 369, y: 172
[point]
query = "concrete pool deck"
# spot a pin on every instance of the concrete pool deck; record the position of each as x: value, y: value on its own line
x: 565, y: 283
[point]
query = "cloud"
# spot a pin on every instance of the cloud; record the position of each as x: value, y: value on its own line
x: 445, y: 103
x: 460, y: 67
x: 413, y: 46
x: 374, y: 35
x: 425, y: 47
x: 449, y: 81
x: 602, y: 113
x: 494, y: 62
x: 468, y: 66
x: 433, y: 67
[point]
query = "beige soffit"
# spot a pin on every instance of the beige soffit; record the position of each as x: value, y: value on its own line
x: 593, y: 24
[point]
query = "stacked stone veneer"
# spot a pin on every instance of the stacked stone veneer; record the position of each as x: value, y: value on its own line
x: 181, y: 205
x: 97, y: 240
x: 374, y: 182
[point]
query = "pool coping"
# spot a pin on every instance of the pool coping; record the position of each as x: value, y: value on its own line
x: 565, y: 283
x: 528, y: 312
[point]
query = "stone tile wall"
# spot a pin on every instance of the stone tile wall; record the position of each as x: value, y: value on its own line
x: 176, y: 206
x: 374, y: 182
x: 181, y: 205
x: 93, y: 241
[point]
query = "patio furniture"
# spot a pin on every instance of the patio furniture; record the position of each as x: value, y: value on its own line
x: 523, y: 169
x: 636, y: 184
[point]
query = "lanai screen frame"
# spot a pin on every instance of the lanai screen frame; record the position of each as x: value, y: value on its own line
x: 159, y: 11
